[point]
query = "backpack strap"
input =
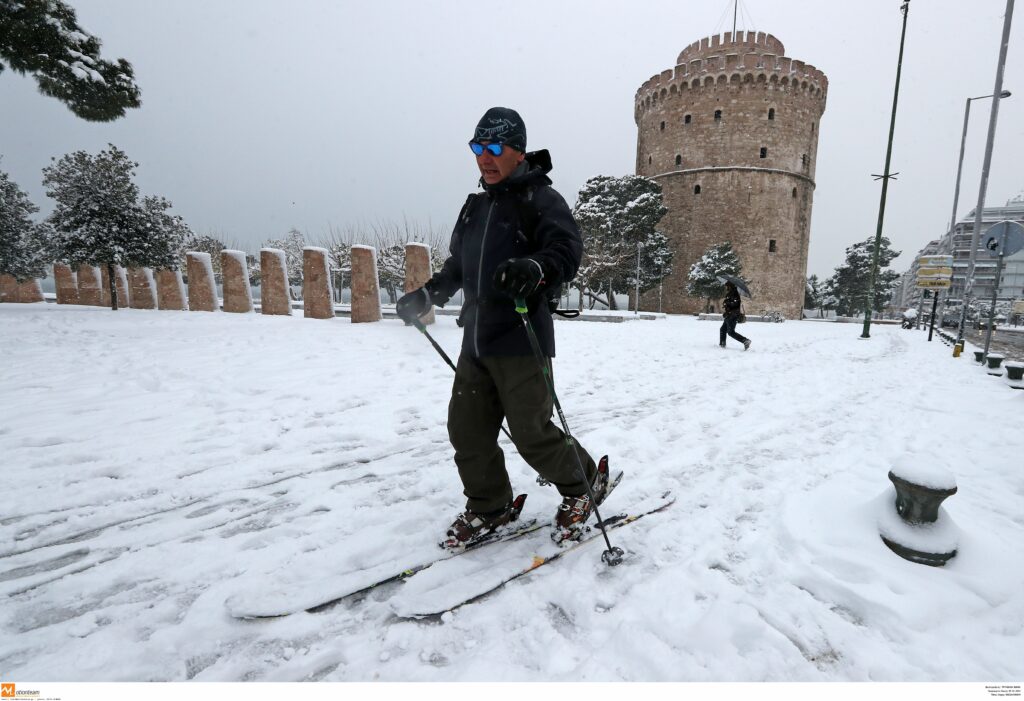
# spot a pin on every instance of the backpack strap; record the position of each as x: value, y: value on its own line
x: 529, y: 216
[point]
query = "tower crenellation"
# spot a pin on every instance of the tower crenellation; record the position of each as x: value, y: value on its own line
x: 731, y: 135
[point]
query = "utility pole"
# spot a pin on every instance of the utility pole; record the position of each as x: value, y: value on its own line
x: 869, y: 297
x: 980, y: 207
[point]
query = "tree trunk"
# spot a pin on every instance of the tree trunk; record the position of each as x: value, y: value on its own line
x: 113, y: 287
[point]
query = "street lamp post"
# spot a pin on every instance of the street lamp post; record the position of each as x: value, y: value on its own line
x: 869, y: 300
x: 963, y: 142
x: 956, y: 192
x: 979, y: 209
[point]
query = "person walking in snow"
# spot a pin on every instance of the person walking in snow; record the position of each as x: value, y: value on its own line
x: 516, y: 239
x: 732, y: 308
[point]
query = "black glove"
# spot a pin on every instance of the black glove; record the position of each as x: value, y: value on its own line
x: 518, y: 277
x: 413, y: 305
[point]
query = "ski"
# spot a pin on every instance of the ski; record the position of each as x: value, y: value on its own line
x: 256, y: 607
x: 454, y: 597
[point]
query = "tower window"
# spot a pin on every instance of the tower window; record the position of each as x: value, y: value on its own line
x: 648, y: 160
x: 794, y: 192
x: 679, y: 160
x: 687, y: 119
x: 803, y: 160
x: 812, y: 127
x: 718, y: 115
x: 771, y: 245
x: 696, y: 189
x: 771, y: 113
x: 764, y: 152
x: 663, y: 126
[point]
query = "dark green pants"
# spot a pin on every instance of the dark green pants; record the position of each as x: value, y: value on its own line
x: 487, y: 390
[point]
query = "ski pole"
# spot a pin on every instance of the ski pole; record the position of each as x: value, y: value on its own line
x: 423, y: 330
x: 611, y: 556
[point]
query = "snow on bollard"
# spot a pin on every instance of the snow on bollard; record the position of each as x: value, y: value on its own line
x: 65, y: 284
x: 142, y: 286
x: 237, y: 293
x: 918, y: 528
x: 170, y: 291
x: 202, y: 290
x: 89, y: 285
x: 995, y: 362
x: 317, y: 295
x: 365, y: 287
x: 274, y: 290
x: 1015, y: 374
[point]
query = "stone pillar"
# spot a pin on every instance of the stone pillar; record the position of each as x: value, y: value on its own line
x: 67, y: 285
x: 365, y: 285
x: 274, y: 297
x: 202, y: 289
x: 121, y: 280
x: 142, y: 286
x: 20, y: 292
x: 170, y: 290
x: 317, y: 296
x: 417, y: 272
x: 237, y: 293
x: 89, y: 285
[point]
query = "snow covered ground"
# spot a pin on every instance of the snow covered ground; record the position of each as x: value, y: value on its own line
x: 158, y: 463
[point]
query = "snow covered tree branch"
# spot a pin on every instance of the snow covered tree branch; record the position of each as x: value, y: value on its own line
x: 43, y: 38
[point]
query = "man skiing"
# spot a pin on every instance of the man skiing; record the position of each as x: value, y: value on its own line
x: 516, y: 239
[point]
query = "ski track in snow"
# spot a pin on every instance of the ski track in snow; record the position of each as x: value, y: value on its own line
x: 160, y: 462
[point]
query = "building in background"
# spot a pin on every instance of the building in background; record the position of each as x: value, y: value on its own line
x: 731, y: 134
x: 906, y: 294
x: 958, y: 244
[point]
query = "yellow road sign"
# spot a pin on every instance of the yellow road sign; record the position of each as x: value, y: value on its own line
x: 935, y: 261
x: 934, y: 272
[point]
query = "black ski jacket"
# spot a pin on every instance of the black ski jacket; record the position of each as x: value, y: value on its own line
x: 491, y: 229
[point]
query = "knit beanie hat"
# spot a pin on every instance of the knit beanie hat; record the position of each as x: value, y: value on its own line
x: 501, y: 125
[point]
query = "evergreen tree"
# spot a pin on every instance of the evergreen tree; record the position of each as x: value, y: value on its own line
x: 849, y: 282
x: 99, y: 220
x: 24, y: 244
x: 391, y: 268
x: 720, y: 259
x: 160, y: 238
x: 813, y: 294
x: 615, y: 215
x: 42, y: 37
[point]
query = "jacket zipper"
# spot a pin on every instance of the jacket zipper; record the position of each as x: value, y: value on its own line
x: 479, y: 283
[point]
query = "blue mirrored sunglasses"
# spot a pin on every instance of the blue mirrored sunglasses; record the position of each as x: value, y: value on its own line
x: 478, y: 148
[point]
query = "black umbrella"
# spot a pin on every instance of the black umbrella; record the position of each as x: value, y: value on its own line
x: 740, y: 284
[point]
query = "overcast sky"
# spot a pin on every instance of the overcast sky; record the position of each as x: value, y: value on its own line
x: 262, y: 115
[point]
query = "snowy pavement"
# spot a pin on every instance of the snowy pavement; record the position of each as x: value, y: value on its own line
x: 158, y: 463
